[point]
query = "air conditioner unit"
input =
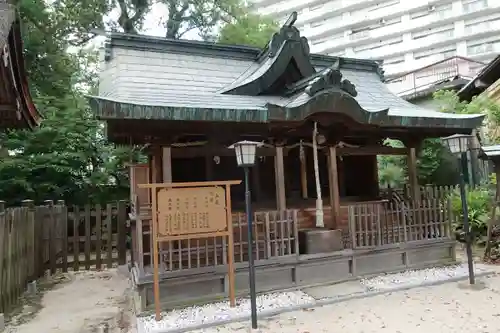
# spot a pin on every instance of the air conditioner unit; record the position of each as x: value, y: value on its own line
x: 432, y: 8
x: 382, y: 21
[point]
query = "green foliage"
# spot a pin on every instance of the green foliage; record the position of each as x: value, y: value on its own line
x: 250, y: 29
x: 183, y: 16
x: 435, y: 164
x: 478, y: 201
x: 391, y: 168
x: 448, y: 101
x: 67, y: 157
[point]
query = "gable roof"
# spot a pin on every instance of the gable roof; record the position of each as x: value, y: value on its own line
x: 283, y: 82
x: 17, y: 109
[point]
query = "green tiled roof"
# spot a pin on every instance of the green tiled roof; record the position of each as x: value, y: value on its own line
x: 185, y: 81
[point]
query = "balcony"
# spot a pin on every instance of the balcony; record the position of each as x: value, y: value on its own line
x: 424, y: 78
x: 474, y: 6
x: 431, y: 20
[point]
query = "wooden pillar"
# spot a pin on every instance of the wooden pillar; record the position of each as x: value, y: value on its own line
x: 333, y: 185
x: 255, y: 175
x: 474, y: 160
x: 497, y: 176
x: 167, y: 164
x: 209, y: 168
x: 156, y: 165
x: 279, y: 176
x: 303, y: 174
x: 412, y: 174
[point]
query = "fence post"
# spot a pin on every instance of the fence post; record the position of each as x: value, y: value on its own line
x: 52, y: 236
x: 63, y: 218
x: 3, y: 256
x: 122, y: 232
x: 31, y: 239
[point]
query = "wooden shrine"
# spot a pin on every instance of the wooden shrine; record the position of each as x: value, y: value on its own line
x: 323, y: 121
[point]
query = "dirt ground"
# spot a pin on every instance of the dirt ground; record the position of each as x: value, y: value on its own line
x: 78, y: 302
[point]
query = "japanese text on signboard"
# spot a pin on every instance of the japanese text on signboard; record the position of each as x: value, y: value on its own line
x: 191, y: 210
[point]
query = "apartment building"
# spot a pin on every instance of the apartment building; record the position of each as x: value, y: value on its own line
x: 405, y: 34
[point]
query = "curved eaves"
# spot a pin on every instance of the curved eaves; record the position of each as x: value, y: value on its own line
x: 336, y: 101
x: 333, y: 101
x: 30, y: 114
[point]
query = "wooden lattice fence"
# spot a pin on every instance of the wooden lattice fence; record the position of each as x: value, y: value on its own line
x: 54, y: 237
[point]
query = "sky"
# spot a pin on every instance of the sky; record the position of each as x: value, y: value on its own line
x: 153, y: 22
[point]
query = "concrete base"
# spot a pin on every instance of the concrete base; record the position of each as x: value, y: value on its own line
x: 479, y: 285
x: 210, y: 284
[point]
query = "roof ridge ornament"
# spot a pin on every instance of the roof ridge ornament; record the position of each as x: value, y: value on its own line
x: 331, y: 78
x: 288, y: 32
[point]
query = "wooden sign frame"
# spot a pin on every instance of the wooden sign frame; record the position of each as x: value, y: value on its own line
x: 158, y: 238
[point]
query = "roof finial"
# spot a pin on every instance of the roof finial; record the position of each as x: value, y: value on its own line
x: 288, y: 32
x: 291, y: 20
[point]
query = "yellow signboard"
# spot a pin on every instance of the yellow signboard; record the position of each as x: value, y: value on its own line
x: 195, y: 210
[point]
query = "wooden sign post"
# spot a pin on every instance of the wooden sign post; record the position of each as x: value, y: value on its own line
x: 183, y: 211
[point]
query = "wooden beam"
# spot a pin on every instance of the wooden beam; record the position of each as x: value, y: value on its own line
x: 333, y: 185
x: 303, y: 175
x: 157, y: 165
x: 379, y: 150
x: 190, y: 152
x: 167, y: 164
x: 255, y: 175
x: 279, y: 176
x: 412, y: 174
x: 209, y: 168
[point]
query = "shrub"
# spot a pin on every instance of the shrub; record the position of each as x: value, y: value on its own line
x: 479, y: 202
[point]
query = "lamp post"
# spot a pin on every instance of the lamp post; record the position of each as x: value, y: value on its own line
x: 458, y: 145
x: 245, y: 157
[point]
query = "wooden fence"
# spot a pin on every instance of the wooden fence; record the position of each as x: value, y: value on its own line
x: 378, y: 224
x: 275, y: 235
x: 54, y: 237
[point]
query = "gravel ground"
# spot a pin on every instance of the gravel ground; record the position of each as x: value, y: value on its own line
x: 446, y: 308
x: 417, y: 277
x: 196, y: 315
x: 220, y: 311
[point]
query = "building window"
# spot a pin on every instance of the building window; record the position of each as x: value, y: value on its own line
x: 449, y: 53
x: 331, y: 38
x: 398, y: 80
x: 316, y: 7
x: 437, y: 33
x: 381, y: 43
x: 394, y: 61
x: 317, y: 23
x: 383, y: 5
x: 481, y: 26
x: 360, y: 34
x: 483, y: 47
x: 388, y: 22
x: 445, y: 52
x: 443, y: 11
x: 470, y: 6
x: 420, y: 13
x: 337, y: 54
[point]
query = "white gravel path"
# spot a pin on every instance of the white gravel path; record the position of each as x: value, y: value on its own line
x: 446, y: 308
x: 220, y: 311
x: 417, y: 277
x: 213, y: 312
